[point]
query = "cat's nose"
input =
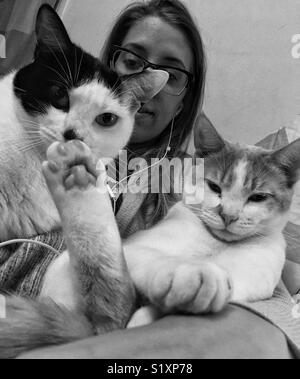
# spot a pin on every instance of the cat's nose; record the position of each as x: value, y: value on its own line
x: 71, y: 135
x: 228, y: 219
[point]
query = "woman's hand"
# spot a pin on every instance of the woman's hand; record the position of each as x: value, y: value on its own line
x: 291, y: 277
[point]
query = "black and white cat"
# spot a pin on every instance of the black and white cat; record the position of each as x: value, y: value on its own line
x: 66, y: 95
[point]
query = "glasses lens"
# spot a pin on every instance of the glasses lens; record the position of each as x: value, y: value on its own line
x: 177, y: 83
x: 126, y: 63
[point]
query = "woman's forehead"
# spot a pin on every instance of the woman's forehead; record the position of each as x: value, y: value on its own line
x: 159, y: 42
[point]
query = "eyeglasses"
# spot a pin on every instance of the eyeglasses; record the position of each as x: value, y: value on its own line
x: 125, y: 62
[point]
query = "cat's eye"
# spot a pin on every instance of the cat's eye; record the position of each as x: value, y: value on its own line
x: 214, y: 187
x: 59, y: 97
x: 107, y: 120
x: 259, y: 198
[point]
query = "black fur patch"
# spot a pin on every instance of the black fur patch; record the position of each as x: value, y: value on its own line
x: 66, y: 69
x: 59, y: 66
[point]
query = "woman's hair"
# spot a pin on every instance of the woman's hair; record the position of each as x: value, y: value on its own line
x: 177, y: 15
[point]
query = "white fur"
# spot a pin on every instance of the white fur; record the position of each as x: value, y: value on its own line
x: 182, y: 247
x: 58, y: 284
x: 26, y: 206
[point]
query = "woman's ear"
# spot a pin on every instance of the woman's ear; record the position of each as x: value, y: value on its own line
x: 207, y: 139
x: 143, y: 87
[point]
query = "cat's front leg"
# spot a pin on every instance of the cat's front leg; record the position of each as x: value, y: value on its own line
x: 193, y: 286
x: 105, y: 293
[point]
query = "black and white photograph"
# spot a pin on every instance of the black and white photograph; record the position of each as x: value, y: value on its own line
x: 149, y: 182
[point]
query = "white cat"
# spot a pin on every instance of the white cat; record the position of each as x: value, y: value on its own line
x: 231, y: 247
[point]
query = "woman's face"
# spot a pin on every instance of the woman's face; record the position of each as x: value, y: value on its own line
x: 162, y: 44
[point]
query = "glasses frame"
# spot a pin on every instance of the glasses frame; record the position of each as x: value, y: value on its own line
x: 154, y: 66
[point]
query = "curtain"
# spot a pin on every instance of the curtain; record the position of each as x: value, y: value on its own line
x: 17, y: 24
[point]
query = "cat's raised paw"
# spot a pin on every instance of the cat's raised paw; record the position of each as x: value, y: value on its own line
x: 190, y: 288
x: 69, y: 165
x: 73, y: 181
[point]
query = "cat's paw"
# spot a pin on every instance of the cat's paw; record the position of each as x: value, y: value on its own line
x: 76, y: 184
x: 69, y: 165
x: 190, y: 288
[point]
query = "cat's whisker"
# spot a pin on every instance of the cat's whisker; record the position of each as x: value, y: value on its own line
x: 20, y: 89
x: 122, y: 83
x: 75, y: 63
x: 31, y: 146
x: 32, y: 131
x: 69, y: 78
x: 117, y: 86
x: 21, y: 147
x: 65, y: 81
x: 64, y: 55
x: 32, y: 123
x: 125, y: 92
x: 50, y: 137
x: 79, y: 68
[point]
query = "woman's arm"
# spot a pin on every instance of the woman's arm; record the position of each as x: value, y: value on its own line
x: 291, y: 277
x: 233, y: 334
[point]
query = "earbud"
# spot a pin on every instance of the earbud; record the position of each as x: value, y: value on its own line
x: 179, y: 111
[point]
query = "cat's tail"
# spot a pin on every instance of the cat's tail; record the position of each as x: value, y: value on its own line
x: 27, y: 325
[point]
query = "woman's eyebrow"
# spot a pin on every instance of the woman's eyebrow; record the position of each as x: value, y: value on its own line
x: 136, y: 47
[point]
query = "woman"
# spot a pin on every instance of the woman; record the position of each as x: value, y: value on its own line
x: 151, y: 34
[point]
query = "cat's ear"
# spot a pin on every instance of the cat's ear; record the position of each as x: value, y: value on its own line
x: 143, y: 87
x: 288, y: 159
x: 50, y: 31
x: 207, y: 140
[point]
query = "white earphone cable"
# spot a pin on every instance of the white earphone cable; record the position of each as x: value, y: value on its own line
x: 112, y: 191
x: 17, y: 241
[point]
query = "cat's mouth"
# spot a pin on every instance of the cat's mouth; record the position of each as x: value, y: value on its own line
x: 225, y: 235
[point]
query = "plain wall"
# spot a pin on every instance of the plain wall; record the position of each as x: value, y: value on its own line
x: 253, y: 84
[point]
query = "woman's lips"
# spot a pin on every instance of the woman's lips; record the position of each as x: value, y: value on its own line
x: 144, y: 113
